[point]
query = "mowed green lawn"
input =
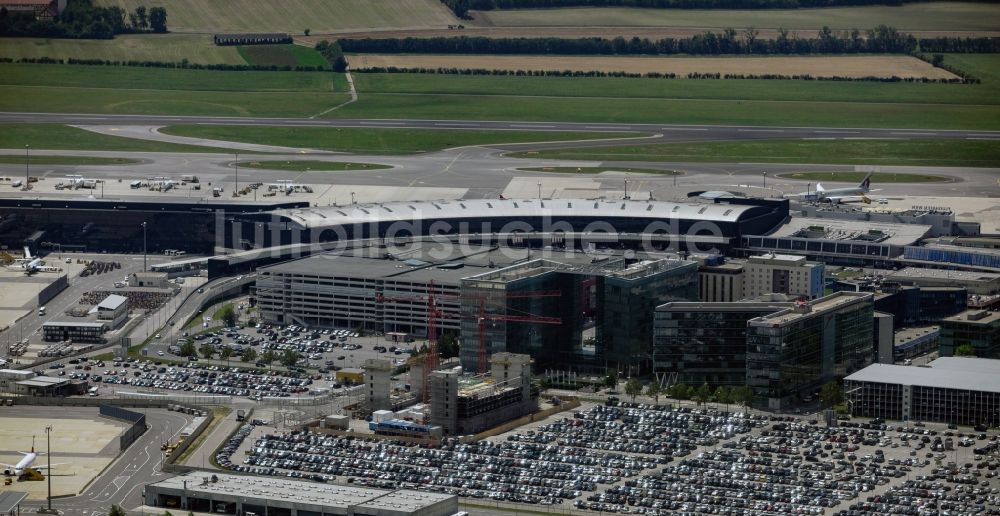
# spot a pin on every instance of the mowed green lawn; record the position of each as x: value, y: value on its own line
x: 942, y: 16
x: 294, y: 16
x: 20, y: 159
x: 62, y: 137
x: 172, y: 48
x: 963, y: 153
x: 687, y: 101
x: 373, y: 141
x: 282, y: 55
x: 160, y: 91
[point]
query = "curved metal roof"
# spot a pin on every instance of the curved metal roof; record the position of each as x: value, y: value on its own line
x: 327, y: 216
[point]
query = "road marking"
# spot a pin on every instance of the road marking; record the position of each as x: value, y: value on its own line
x: 760, y: 130
x: 456, y: 125
x: 995, y: 139
x: 531, y: 126
x: 608, y: 127
x: 914, y: 134
x: 682, y: 129
x: 836, y: 132
x: 382, y: 123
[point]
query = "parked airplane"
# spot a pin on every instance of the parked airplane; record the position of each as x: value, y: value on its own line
x: 837, y: 195
x: 25, y: 463
x: 30, y: 264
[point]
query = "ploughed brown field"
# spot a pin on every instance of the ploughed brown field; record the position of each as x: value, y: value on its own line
x: 839, y: 66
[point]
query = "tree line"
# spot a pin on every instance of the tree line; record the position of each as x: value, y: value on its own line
x: 964, y: 77
x: 882, y: 39
x: 461, y: 8
x: 183, y: 64
x: 83, y: 20
x: 333, y: 55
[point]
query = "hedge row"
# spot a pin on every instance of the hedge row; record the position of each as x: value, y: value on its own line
x: 184, y: 64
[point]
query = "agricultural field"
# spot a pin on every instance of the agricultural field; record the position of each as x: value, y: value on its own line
x: 704, y: 101
x: 294, y: 16
x: 373, y: 141
x: 957, y: 153
x: 929, y: 16
x: 196, y: 48
x: 282, y: 55
x: 132, y: 90
x: 825, y: 66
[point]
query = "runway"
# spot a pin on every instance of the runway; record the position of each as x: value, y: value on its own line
x: 670, y: 131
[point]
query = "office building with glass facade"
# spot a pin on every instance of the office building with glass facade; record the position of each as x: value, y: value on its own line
x: 705, y: 342
x: 791, y: 353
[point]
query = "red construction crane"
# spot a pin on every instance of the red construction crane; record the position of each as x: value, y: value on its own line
x: 434, y: 313
x: 483, y: 317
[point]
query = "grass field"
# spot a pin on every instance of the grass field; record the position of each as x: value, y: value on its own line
x: 312, y: 166
x: 964, y: 153
x: 294, y: 16
x: 704, y: 101
x: 943, y: 16
x: 825, y: 66
x: 130, y: 90
x: 598, y: 170
x: 371, y: 141
x: 66, y: 160
x: 857, y: 177
x: 62, y: 137
x: 196, y: 48
x: 282, y: 55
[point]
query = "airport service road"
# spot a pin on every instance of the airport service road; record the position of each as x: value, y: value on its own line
x: 123, y: 481
x: 688, y: 132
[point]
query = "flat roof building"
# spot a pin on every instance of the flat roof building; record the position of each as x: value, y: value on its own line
x: 984, y: 283
x: 958, y: 390
x: 783, y: 274
x: 792, y: 352
x: 74, y: 331
x: 238, y: 494
x: 979, y: 329
x: 706, y: 342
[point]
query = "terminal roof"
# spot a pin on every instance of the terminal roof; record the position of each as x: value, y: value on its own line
x: 972, y: 374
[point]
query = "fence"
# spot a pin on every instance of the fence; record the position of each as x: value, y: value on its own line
x: 50, y: 291
x: 353, y: 395
x: 134, y: 432
x: 165, y: 399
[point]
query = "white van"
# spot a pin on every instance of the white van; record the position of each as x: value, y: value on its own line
x: 41, y: 310
x: 92, y: 392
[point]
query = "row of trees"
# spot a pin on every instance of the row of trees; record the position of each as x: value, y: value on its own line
x: 831, y: 394
x: 182, y: 64
x: 461, y: 8
x: 965, y: 78
x: 333, y: 55
x: 882, y: 39
x: 81, y: 19
x: 207, y: 350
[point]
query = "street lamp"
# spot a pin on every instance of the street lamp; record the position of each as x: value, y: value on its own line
x: 143, y: 247
x: 48, y: 453
x: 27, y: 175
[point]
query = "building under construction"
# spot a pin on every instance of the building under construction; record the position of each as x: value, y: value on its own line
x: 455, y: 402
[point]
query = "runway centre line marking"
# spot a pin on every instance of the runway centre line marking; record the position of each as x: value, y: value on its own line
x: 682, y: 129
x: 609, y: 127
x: 836, y: 132
x: 531, y: 126
x: 760, y: 130
x: 451, y: 124
x: 382, y: 123
x: 913, y: 134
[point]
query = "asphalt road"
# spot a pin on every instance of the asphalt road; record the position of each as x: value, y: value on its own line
x: 122, y: 482
x: 685, y: 132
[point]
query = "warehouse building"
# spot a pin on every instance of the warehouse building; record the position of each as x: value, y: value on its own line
x: 113, y: 309
x: 960, y: 390
x: 982, y: 283
x: 240, y: 495
x: 793, y: 352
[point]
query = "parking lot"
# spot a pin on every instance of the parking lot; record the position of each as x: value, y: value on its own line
x: 641, y: 459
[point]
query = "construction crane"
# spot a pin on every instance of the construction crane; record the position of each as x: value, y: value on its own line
x: 434, y: 314
x: 483, y: 317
